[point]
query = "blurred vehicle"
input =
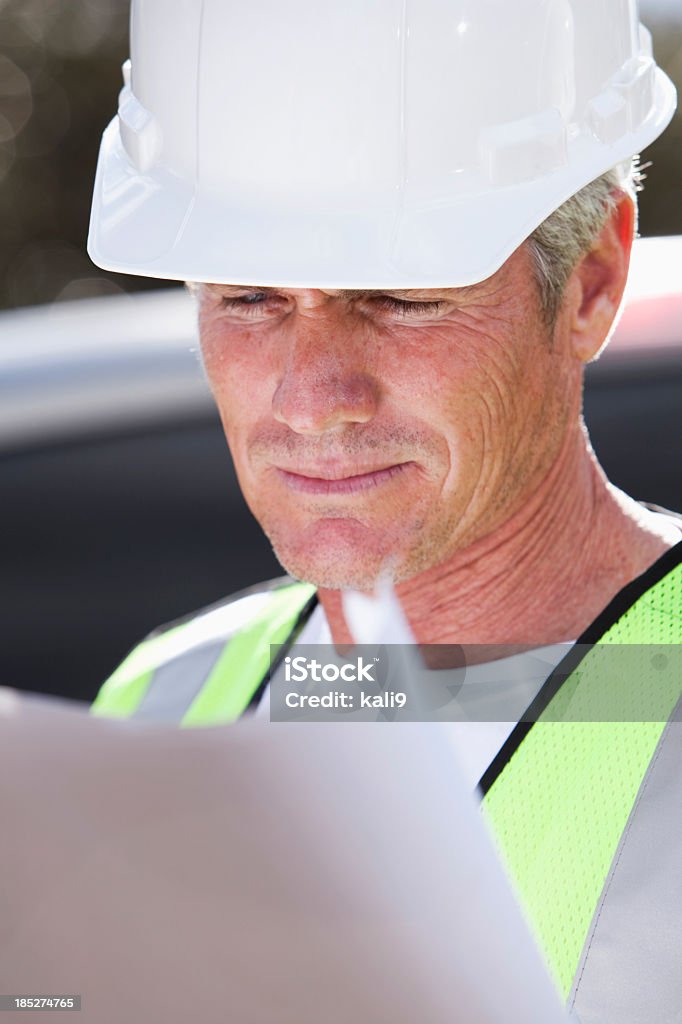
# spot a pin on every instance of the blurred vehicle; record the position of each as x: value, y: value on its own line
x: 119, y: 505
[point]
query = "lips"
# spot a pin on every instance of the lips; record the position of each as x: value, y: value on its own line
x: 339, y: 480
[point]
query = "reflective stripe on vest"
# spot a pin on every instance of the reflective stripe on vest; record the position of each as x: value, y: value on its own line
x: 206, y: 671
x: 560, y: 794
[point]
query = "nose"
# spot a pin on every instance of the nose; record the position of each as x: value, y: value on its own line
x: 324, y: 383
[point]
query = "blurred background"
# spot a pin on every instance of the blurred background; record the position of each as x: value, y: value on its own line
x: 60, y: 73
x: 119, y: 509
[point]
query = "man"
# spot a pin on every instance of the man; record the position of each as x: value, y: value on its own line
x: 411, y: 231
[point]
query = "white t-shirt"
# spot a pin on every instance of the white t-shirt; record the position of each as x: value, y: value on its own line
x: 475, y: 743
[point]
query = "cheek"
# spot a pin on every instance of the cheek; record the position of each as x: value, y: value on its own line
x: 236, y: 368
x: 484, y: 394
x: 465, y: 383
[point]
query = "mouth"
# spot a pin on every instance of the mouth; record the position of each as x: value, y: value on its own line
x: 340, y: 481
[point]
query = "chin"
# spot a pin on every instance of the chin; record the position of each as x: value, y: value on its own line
x: 337, y: 554
x: 330, y: 577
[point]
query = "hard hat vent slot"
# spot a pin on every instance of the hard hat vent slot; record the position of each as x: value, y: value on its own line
x: 527, y: 148
x: 140, y: 131
x: 636, y: 85
x: 625, y: 104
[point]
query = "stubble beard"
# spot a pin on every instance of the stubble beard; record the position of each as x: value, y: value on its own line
x: 413, y: 552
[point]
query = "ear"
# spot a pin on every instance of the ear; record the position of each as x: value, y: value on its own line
x: 598, y: 281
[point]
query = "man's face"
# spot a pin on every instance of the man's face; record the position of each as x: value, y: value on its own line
x: 386, y: 431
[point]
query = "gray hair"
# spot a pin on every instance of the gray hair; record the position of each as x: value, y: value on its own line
x: 566, y: 235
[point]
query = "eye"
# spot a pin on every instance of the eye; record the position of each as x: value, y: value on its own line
x: 245, y: 300
x: 409, y: 309
x: 258, y: 304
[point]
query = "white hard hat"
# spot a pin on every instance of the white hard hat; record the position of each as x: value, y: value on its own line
x: 363, y: 144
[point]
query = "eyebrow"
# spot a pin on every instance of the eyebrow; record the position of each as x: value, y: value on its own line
x: 358, y: 293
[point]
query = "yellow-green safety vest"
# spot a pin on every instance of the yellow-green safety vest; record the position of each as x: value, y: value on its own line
x: 587, y: 813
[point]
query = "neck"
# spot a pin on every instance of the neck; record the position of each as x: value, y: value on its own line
x: 540, y: 576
